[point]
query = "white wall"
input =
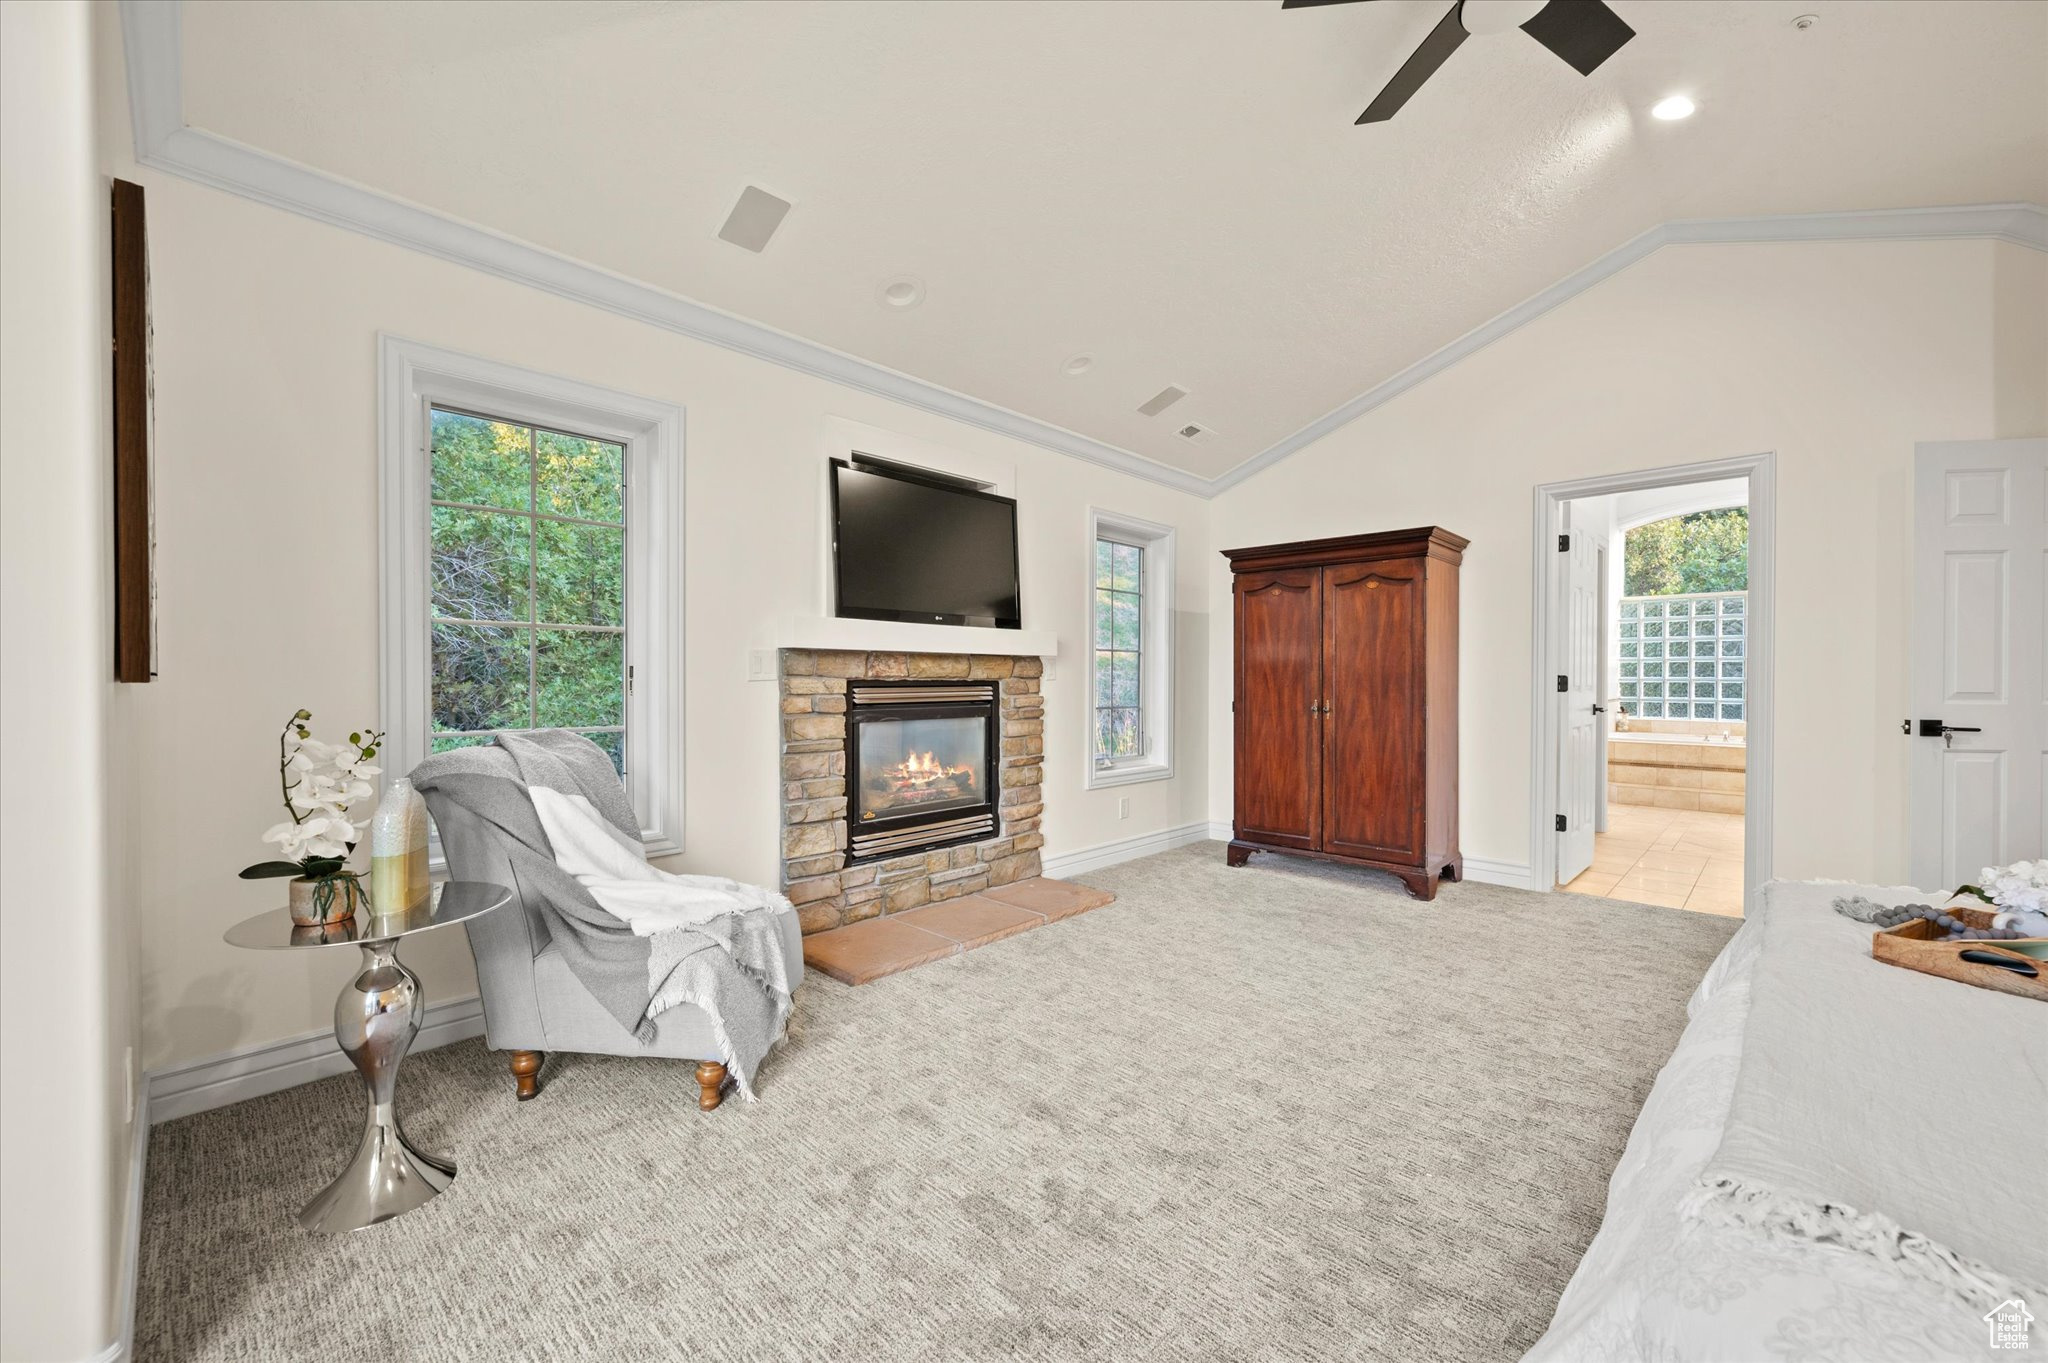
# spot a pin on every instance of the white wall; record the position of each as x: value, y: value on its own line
x: 66, y: 985
x: 1837, y: 356
x: 266, y: 344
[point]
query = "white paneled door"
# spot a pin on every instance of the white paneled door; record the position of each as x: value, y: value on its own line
x: 1578, y: 767
x: 1979, y: 682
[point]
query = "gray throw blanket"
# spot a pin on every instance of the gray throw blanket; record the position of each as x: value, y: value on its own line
x: 730, y: 965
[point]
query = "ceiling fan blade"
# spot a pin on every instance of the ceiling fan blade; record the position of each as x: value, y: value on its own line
x: 1304, y: 4
x: 1583, y: 32
x: 1435, y: 50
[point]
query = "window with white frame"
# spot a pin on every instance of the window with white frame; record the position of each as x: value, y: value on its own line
x: 526, y: 563
x: 1131, y: 654
x: 532, y: 568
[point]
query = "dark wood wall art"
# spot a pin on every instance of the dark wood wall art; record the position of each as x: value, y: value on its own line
x: 1347, y: 702
x: 134, y: 494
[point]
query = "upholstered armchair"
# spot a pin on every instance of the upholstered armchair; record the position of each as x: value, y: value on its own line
x: 533, y: 1002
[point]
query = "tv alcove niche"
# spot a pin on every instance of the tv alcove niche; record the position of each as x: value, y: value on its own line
x: 1346, y: 708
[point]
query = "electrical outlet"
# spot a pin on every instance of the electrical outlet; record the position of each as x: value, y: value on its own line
x: 1123, y: 807
x: 761, y: 664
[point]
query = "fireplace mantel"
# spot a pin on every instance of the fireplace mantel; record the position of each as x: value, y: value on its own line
x: 892, y: 636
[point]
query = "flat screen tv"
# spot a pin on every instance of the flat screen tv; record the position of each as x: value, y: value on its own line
x: 907, y: 547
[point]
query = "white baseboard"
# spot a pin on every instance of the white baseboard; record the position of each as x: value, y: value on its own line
x: 123, y: 1346
x: 254, y: 1071
x: 1513, y: 874
x: 1127, y: 849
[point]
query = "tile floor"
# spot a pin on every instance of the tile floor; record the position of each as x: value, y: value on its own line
x: 1680, y: 858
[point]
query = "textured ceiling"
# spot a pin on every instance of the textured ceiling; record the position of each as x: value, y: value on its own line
x: 1175, y: 189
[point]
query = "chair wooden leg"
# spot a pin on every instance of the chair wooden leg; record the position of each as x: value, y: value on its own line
x: 526, y: 1069
x: 710, y: 1083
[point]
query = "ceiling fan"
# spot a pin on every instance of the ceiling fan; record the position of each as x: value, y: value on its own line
x: 1583, y: 32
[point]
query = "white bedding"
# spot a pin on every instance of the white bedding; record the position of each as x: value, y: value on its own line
x: 1657, y: 1289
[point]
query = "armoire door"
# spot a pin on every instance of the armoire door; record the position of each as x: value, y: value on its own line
x: 1373, y: 675
x: 1279, y: 635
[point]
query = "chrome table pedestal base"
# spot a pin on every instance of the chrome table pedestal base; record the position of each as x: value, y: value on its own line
x: 375, y: 1020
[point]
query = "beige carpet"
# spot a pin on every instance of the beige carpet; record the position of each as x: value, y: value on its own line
x: 1281, y: 1112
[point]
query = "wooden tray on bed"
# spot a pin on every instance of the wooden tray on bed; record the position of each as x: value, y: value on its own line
x: 1910, y: 945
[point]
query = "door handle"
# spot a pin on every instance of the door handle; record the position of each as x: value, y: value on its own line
x: 1598, y: 708
x: 1934, y: 728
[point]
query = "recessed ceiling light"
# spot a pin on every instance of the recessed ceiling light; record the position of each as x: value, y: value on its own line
x: 904, y: 291
x: 1672, y: 109
x: 1078, y: 364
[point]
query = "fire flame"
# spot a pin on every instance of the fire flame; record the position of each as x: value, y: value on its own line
x: 921, y: 769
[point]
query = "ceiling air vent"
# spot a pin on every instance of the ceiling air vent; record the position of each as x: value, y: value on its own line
x: 1162, y: 400
x: 1191, y: 431
x: 753, y: 219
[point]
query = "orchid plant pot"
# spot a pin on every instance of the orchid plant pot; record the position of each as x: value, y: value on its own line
x: 318, y: 900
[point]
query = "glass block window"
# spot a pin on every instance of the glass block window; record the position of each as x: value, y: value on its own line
x: 1682, y: 657
x: 527, y: 569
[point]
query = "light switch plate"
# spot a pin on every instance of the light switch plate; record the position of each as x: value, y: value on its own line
x: 761, y: 664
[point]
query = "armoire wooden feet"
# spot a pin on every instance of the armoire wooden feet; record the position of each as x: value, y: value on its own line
x: 1346, y: 709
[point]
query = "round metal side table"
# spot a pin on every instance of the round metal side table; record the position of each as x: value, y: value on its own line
x: 375, y: 1020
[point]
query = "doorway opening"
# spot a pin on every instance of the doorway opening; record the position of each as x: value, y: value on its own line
x: 1655, y: 643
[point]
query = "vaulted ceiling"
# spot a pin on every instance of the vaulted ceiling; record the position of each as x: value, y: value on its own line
x: 1175, y: 190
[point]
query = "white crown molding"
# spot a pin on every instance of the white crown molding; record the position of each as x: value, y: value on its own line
x: 150, y: 30
x: 2022, y: 224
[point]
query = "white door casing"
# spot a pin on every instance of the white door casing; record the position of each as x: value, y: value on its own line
x: 1578, y: 764
x: 1980, y: 557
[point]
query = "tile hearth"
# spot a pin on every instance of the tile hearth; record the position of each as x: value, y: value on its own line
x: 827, y: 891
x: 868, y: 950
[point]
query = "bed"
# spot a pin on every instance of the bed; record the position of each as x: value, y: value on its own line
x: 1655, y: 1285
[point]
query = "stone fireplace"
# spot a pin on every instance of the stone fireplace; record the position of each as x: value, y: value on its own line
x: 908, y: 779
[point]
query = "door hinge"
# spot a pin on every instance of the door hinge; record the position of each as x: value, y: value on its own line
x: 629, y: 681
x: 1564, y: 544
x: 1564, y: 683
x: 1560, y: 823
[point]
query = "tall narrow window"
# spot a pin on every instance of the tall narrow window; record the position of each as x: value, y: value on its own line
x: 527, y: 569
x: 1130, y: 690
x: 1119, y: 650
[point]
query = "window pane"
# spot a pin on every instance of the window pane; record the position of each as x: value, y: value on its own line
x: 450, y: 742
x: 1678, y: 690
x: 1731, y: 669
x: 1105, y: 665
x: 1105, y: 733
x: 1680, y: 648
x: 1123, y: 618
x: 1629, y: 648
x: 1630, y: 610
x: 1735, y: 605
x: 1653, y: 690
x: 1729, y: 711
x: 614, y: 744
x: 1731, y: 691
x: 1703, y: 627
x: 1124, y: 732
x: 480, y: 677
x: 1102, y: 618
x: 1731, y: 648
x: 1703, y: 669
x: 478, y: 564
x: 1653, y: 629
x: 1628, y: 669
x: 1653, y: 648
x: 1653, y: 709
x: 1126, y: 564
x: 581, y: 573
x: 1628, y: 629
x: 581, y: 678
x: 1702, y: 710
x: 1628, y: 690
x: 579, y: 477
x: 1678, y: 610
x: 1703, y: 690
x: 1731, y: 629
x: 484, y: 463
x: 1103, y: 571
x: 1123, y: 689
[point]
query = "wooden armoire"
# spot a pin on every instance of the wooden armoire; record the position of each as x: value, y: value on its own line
x: 1346, y: 709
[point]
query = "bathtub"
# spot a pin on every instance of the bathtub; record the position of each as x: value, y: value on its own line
x: 1690, y: 740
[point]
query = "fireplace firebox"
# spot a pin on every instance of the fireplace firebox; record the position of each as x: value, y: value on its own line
x: 920, y: 762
